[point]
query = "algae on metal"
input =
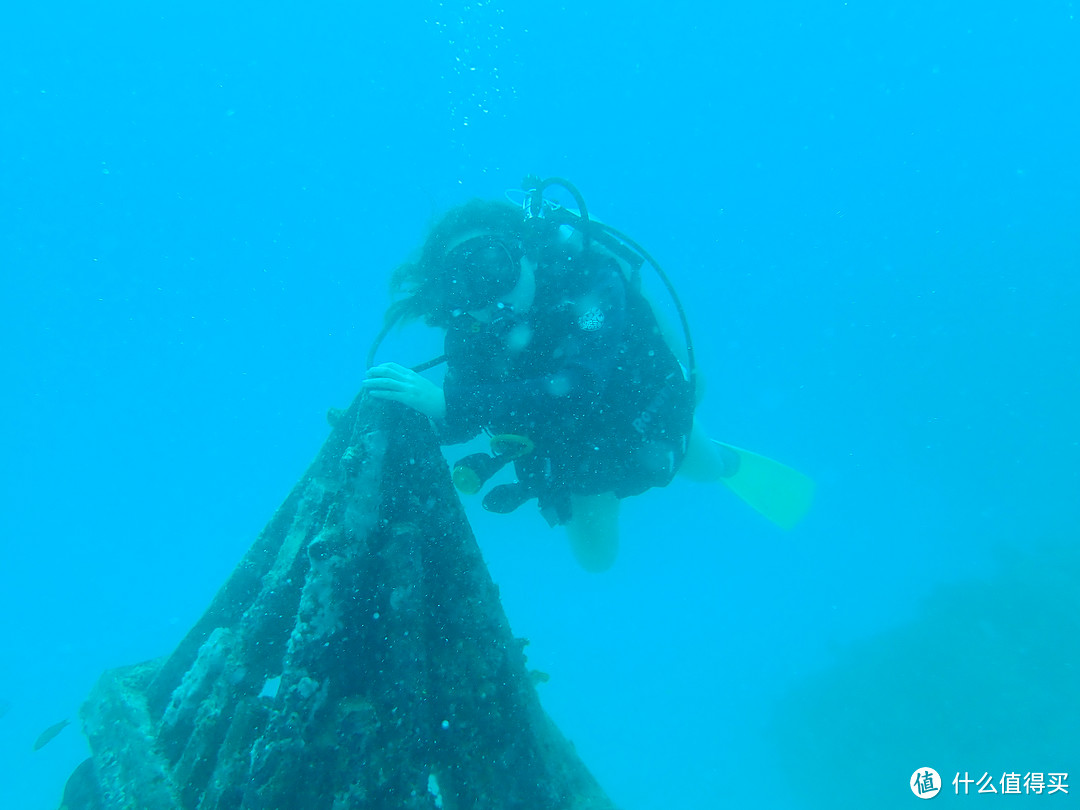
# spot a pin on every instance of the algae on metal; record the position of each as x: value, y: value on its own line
x: 358, y: 657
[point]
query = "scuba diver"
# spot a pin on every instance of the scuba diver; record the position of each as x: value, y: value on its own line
x: 553, y: 350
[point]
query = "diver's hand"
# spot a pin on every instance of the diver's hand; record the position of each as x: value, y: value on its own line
x: 400, y: 384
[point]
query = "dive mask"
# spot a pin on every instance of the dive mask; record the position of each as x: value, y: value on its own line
x: 479, y: 271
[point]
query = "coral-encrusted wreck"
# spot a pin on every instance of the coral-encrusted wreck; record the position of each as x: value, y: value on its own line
x: 358, y: 657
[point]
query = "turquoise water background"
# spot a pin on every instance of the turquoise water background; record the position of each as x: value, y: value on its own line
x: 870, y: 211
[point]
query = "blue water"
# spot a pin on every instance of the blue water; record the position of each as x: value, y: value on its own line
x: 869, y: 209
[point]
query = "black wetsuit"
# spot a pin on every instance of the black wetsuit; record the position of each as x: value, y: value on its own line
x: 585, y: 373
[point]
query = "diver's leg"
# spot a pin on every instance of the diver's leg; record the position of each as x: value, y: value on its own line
x: 593, y: 530
x: 705, y: 460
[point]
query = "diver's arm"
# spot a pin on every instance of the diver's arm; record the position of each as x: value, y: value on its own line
x: 396, y: 383
x: 400, y: 384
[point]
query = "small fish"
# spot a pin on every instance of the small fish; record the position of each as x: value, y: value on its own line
x: 45, y: 737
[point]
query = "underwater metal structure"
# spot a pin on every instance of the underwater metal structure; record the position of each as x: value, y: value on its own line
x: 358, y: 657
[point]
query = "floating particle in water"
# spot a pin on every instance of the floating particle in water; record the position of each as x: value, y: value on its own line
x: 478, y: 42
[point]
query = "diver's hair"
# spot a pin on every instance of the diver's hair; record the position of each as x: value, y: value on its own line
x: 423, y: 283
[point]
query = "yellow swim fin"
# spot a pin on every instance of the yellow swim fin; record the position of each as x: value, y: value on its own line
x: 781, y: 494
